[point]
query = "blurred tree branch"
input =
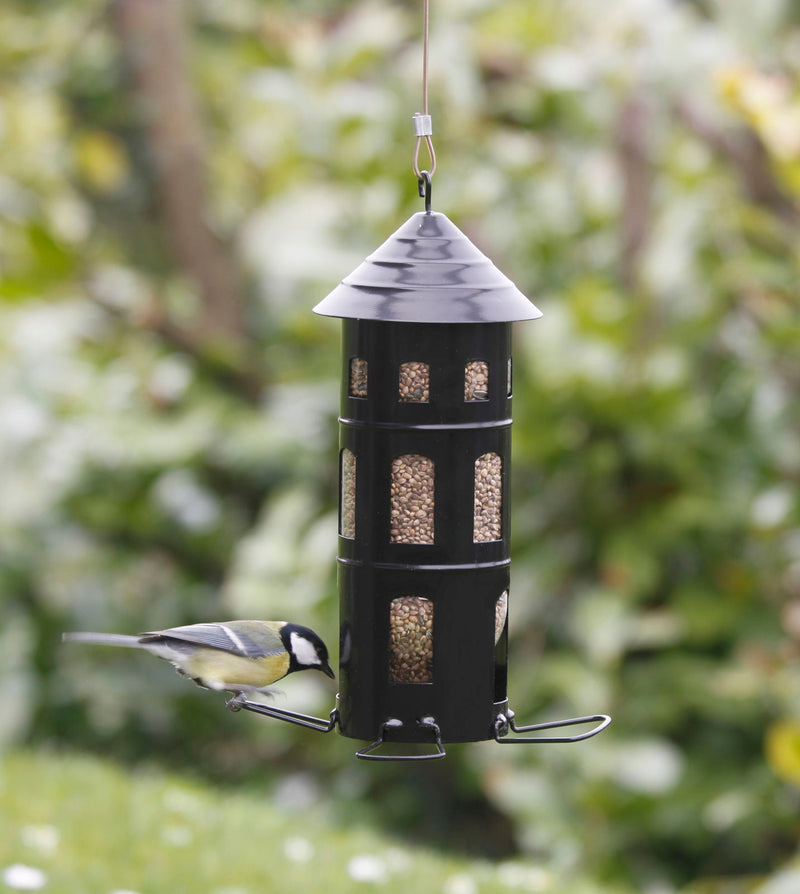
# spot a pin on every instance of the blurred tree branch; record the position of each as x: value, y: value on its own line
x: 240, y: 377
x: 154, y: 51
x: 635, y: 166
x: 743, y: 149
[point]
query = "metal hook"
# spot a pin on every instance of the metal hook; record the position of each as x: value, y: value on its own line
x: 425, y: 186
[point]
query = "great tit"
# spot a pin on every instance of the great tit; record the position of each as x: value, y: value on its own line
x: 232, y: 656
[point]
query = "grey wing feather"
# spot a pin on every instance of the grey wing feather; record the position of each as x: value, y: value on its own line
x: 225, y: 638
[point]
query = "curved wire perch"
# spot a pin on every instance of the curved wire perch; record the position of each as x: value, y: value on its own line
x: 316, y: 723
x: 505, y: 722
x: 365, y: 754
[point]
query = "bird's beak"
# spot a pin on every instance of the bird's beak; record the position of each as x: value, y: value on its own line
x: 328, y: 671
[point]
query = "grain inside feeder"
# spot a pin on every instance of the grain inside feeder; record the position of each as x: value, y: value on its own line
x: 488, y: 517
x: 412, y: 501
x: 476, y: 380
x: 414, y: 382
x: 348, y: 496
x: 358, y: 377
x: 500, y: 615
x: 411, y: 640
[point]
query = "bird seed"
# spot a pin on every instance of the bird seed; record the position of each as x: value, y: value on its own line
x: 500, y: 615
x: 476, y: 380
x: 411, y: 640
x: 348, y: 495
x: 358, y: 377
x: 412, y: 499
x: 415, y: 382
x: 488, y: 517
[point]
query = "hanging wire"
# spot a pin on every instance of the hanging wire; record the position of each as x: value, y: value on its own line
x: 423, y: 127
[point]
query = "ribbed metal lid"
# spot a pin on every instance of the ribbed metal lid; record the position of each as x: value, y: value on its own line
x: 428, y: 272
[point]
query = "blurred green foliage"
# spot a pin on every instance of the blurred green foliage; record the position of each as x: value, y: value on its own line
x: 636, y: 170
x: 158, y: 832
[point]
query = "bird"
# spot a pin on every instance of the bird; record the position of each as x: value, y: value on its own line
x: 227, y: 656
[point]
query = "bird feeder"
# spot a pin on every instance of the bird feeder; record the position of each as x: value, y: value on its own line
x: 424, y: 496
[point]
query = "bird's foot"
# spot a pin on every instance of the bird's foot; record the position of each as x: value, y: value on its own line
x: 237, y: 702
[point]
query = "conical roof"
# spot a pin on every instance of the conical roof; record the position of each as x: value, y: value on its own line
x: 428, y: 272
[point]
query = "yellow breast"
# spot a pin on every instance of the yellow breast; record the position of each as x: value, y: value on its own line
x: 216, y: 668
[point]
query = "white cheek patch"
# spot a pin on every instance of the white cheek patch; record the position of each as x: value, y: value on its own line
x: 304, y: 651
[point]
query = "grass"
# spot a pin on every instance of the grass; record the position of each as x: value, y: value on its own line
x: 96, y: 828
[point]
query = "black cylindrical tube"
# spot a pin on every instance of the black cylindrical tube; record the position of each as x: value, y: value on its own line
x: 424, y: 523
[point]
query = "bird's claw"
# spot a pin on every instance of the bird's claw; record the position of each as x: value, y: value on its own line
x: 236, y: 703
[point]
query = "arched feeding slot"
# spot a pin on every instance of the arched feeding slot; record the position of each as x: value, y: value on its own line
x: 411, y: 640
x: 358, y: 377
x: 508, y: 379
x: 412, y: 499
x: 347, y: 503
x: 476, y: 380
x: 500, y: 615
x: 414, y: 382
x: 488, y: 517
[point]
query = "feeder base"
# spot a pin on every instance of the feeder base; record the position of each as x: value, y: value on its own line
x: 428, y: 731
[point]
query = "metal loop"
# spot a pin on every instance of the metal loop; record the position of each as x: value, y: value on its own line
x: 431, y: 152
x: 424, y: 186
x: 365, y: 754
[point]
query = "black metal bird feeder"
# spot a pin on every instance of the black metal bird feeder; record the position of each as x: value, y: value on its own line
x: 424, y: 462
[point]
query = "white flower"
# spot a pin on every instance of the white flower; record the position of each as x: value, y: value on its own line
x: 44, y: 839
x: 298, y: 850
x: 460, y: 884
x: 23, y: 878
x: 367, y: 868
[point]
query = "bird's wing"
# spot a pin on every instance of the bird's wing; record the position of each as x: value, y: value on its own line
x: 227, y: 638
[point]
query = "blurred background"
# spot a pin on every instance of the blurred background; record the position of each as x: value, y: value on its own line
x: 180, y: 182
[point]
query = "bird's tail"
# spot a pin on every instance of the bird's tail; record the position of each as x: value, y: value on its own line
x: 103, y: 639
